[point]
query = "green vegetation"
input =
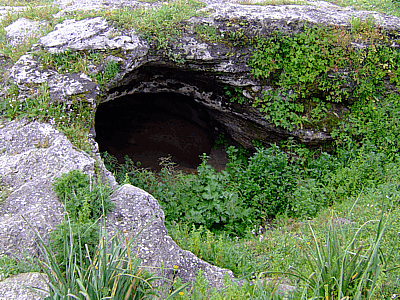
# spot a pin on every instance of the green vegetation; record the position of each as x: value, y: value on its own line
x: 351, y: 194
x: 282, y: 214
x: 85, y: 203
x: 389, y: 7
x: 275, y: 2
x: 4, y: 190
x: 318, y: 67
x: 84, y: 200
x: 11, y: 266
x: 73, y: 119
x: 33, y: 13
x: 82, y: 262
x: 25, y: 2
x: 70, y: 61
x: 109, y: 72
x: 162, y: 26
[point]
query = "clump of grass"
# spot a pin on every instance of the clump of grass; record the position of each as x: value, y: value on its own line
x: 341, y: 267
x: 73, y: 118
x: 34, y: 13
x: 384, y: 6
x: 82, y: 262
x: 85, y: 201
x: 109, y: 271
x: 70, y: 61
x: 10, y: 265
x: 274, y: 2
x: 25, y: 2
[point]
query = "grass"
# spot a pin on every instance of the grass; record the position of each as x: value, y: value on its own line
x: 34, y: 12
x: 25, y: 2
x: 73, y: 119
x: 389, y: 7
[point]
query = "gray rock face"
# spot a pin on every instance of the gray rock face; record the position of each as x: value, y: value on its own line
x: 17, y: 287
x: 87, y: 34
x: 31, y: 156
x: 27, y: 74
x: 139, y: 214
x: 207, y: 69
x: 22, y: 29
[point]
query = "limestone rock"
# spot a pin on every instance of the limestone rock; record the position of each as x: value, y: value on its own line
x: 17, y: 287
x: 31, y: 156
x: 28, y: 74
x: 139, y: 214
x: 21, y: 29
x: 86, y: 35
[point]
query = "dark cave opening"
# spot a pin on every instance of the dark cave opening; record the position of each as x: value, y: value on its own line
x: 149, y: 126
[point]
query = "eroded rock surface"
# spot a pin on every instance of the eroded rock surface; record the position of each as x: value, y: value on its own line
x: 139, y: 214
x: 192, y: 66
x: 32, y: 155
x: 18, y: 287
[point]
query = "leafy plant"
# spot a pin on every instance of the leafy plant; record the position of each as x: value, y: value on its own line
x: 236, y: 95
x: 84, y: 199
x: 208, y: 34
x: 307, y: 73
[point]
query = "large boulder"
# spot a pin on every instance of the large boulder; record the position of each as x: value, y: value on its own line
x: 22, y: 287
x: 32, y: 155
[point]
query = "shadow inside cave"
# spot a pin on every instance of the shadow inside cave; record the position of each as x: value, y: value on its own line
x: 146, y: 127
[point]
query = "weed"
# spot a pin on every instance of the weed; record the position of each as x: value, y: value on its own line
x: 83, y: 198
x: 70, y: 61
x: 5, y: 191
x: 34, y: 13
x: 221, y: 141
x: 10, y: 265
x: 73, y: 118
x: 209, y: 34
x: 342, y: 268
x: 110, y: 70
x: 25, y: 2
x: 306, y: 70
x: 235, y: 95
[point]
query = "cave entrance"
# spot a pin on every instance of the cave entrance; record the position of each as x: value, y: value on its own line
x: 147, y: 127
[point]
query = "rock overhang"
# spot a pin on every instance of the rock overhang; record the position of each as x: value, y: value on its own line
x: 191, y: 65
